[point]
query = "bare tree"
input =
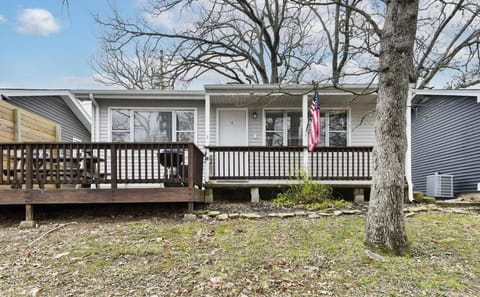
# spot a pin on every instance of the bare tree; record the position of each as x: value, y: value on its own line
x: 139, y: 66
x: 385, y: 223
x: 244, y: 41
x: 447, y: 41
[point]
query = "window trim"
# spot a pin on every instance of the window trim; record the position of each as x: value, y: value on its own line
x: 285, y: 130
x: 159, y: 109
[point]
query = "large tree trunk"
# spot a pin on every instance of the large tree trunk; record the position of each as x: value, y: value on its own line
x: 385, y: 223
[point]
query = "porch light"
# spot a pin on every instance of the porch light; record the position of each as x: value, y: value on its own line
x: 254, y: 115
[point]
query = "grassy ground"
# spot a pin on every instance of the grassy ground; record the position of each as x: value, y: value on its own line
x: 268, y: 257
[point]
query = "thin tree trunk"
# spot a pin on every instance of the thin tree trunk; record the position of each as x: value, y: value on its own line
x: 385, y: 222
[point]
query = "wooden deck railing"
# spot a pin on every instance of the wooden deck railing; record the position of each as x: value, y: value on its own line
x: 325, y: 163
x: 26, y: 164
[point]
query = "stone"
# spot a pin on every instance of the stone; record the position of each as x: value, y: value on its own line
x: 200, y: 212
x: 313, y: 216
x: 190, y: 217
x: 418, y: 196
x: 284, y: 215
x: 300, y: 213
x: 213, y: 213
x: 234, y: 216
x: 375, y: 256
x: 352, y: 211
x: 273, y: 215
x: 27, y: 224
x: 222, y: 217
x: 429, y: 200
x: 337, y: 213
x: 251, y: 216
x: 324, y: 214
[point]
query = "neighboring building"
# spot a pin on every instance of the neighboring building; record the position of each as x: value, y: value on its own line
x: 445, y: 138
x: 59, y: 106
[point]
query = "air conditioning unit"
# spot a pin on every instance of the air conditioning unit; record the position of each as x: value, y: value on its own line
x: 440, y: 185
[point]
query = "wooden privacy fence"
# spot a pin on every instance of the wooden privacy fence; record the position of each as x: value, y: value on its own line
x: 325, y: 163
x: 18, y: 125
x: 85, y: 164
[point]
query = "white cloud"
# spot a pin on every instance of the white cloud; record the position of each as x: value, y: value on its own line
x: 37, y: 21
x: 3, y: 20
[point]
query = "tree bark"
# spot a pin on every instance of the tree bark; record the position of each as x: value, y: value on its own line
x: 385, y: 226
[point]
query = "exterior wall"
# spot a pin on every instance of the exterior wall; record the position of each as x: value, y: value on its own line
x: 445, y: 139
x: 362, y: 123
x: 55, y: 109
x: 106, y: 104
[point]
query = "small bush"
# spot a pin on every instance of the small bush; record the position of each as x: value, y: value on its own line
x: 309, y: 194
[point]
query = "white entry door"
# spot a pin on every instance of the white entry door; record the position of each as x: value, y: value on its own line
x: 232, y: 131
x: 232, y: 128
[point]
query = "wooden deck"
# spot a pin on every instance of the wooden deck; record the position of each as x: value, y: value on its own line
x: 67, y: 173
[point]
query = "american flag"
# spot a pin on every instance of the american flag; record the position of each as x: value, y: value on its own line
x: 314, y: 138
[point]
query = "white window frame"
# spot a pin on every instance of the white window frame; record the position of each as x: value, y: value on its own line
x: 285, y: 124
x: 327, y: 124
x: 132, y: 111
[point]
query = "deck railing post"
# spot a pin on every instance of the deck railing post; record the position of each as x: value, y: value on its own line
x: 29, y: 167
x: 191, y: 165
x: 207, y: 164
x: 113, y: 164
x: 305, y: 163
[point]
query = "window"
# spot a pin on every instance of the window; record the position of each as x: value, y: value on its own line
x: 120, y: 125
x: 333, y: 128
x: 153, y: 125
x: 283, y: 128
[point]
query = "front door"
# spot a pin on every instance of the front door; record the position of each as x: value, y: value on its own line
x: 232, y: 128
x: 232, y: 131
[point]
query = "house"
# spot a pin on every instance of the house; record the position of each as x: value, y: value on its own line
x: 59, y: 106
x: 445, y: 129
x: 177, y: 146
x: 252, y: 135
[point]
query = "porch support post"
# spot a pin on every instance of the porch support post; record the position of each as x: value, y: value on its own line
x: 359, y: 196
x: 209, y: 195
x: 207, y: 138
x: 255, y: 195
x: 305, y: 133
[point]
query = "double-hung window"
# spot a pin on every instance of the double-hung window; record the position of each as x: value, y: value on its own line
x: 283, y: 128
x: 333, y: 128
x: 152, y: 125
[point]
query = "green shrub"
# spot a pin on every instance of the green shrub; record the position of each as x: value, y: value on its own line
x: 308, y: 194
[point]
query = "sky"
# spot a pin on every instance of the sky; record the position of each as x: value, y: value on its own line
x: 45, y: 44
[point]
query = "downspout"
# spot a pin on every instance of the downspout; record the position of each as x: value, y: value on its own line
x: 408, y: 156
x: 96, y: 118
